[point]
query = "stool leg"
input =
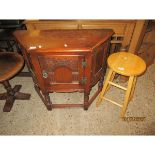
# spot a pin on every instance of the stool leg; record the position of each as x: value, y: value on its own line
x: 133, y: 87
x: 104, y: 88
x: 127, y: 95
x: 111, y: 79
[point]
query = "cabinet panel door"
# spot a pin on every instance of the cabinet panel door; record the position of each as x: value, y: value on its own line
x: 62, y: 72
x: 99, y: 62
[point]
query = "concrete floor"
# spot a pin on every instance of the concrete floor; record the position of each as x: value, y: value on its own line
x: 32, y: 118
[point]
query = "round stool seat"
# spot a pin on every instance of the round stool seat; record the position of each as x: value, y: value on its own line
x: 10, y: 64
x: 126, y: 63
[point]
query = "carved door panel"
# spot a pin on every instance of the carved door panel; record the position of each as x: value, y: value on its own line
x: 99, y: 62
x: 62, y: 72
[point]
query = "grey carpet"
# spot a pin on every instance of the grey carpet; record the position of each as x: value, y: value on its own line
x: 32, y: 118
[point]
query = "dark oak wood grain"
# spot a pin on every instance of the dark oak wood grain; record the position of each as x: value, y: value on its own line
x: 66, y: 61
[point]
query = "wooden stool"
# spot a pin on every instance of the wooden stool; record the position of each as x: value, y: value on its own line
x: 10, y: 65
x: 127, y: 64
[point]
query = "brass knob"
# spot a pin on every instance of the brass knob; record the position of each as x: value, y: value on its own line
x: 45, y: 74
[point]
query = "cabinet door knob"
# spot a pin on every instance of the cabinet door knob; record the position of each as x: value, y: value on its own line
x: 45, y: 74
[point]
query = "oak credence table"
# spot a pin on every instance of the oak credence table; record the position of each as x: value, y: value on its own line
x: 65, y: 61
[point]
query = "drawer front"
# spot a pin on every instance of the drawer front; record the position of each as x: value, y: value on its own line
x: 61, y: 73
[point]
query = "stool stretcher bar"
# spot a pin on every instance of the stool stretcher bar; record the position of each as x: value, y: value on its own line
x: 116, y: 85
x: 112, y: 102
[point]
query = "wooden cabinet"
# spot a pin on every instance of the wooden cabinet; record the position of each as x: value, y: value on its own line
x: 66, y: 61
x: 128, y: 33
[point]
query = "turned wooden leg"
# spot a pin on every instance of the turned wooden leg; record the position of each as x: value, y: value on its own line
x: 127, y: 95
x: 12, y: 95
x: 104, y: 88
x: 86, y: 100
x: 48, y: 101
x: 44, y: 97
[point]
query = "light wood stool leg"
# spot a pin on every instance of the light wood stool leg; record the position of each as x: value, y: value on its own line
x: 104, y: 88
x: 111, y: 79
x: 127, y: 95
x: 133, y: 88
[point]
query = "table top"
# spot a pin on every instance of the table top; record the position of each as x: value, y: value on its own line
x: 10, y: 64
x: 66, y: 40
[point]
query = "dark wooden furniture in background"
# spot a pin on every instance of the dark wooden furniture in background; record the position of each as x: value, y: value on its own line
x: 7, y: 40
x: 10, y: 65
x: 66, y: 61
